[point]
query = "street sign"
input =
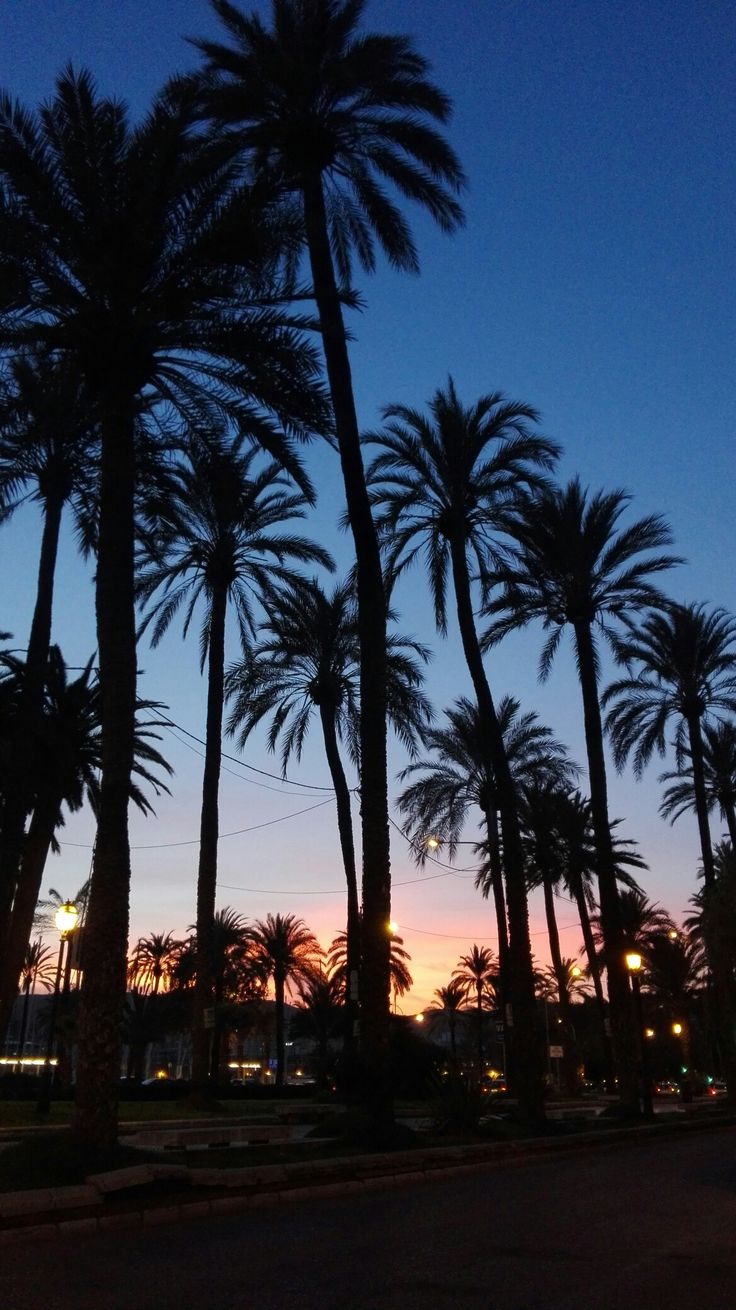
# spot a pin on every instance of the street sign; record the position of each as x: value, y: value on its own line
x: 556, y: 1052
x: 209, y: 1016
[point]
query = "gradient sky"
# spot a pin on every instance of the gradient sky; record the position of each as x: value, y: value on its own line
x: 594, y: 279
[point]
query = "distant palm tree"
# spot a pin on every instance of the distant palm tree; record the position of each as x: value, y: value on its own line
x: 221, y: 543
x: 118, y: 252
x: 38, y: 967
x: 570, y: 564
x: 476, y: 973
x: 444, y: 483
x: 286, y: 951
x: 67, y: 774
x: 152, y: 961
x: 307, y: 663
x: 451, y: 1001
x: 327, y: 114
x: 719, y: 775
x: 320, y: 1016
x: 400, y: 979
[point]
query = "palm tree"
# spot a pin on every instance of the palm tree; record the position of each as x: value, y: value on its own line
x: 719, y: 777
x: 476, y: 973
x: 400, y: 979
x: 47, y: 456
x: 445, y: 483
x: 307, y: 661
x: 153, y: 960
x: 220, y: 543
x: 38, y: 967
x: 118, y: 249
x: 570, y: 564
x: 288, y: 952
x: 325, y: 114
x: 67, y: 774
x: 320, y: 1015
x: 449, y: 1004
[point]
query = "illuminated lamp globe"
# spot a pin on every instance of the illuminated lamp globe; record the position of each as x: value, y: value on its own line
x: 66, y: 918
x: 633, y: 961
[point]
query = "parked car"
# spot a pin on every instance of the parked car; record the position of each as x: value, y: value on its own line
x: 717, y: 1088
x: 665, y: 1087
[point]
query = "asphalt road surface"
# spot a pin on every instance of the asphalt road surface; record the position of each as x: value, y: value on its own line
x: 650, y: 1227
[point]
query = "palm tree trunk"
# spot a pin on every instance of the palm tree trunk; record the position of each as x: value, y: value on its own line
x: 576, y: 884
x: 35, y: 852
x: 24, y: 1018
x: 106, y: 934
x: 208, y: 838
x: 374, y: 982
x: 622, y: 1019
x: 724, y: 991
x: 347, y: 847
x: 16, y: 802
x: 526, y: 1066
x: 499, y: 903
x: 279, y: 990
x: 569, y: 1060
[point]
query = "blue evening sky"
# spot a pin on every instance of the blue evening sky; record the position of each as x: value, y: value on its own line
x: 594, y: 279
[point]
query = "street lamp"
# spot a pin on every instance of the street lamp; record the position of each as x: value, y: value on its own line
x: 680, y: 1031
x: 66, y: 921
x: 633, y: 964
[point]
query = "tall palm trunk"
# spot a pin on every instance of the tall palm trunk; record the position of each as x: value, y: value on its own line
x: 576, y: 884
x: 33, y: 863
x: 569, y: 1057
x: 521, y: 1008
x: 279, y: 984
x: 499, y: 902
x: 106, y: 937
x: 624, y: 1038
x: 724, y: 990
x: 17, y: 800
x: 375, y: 985
x: 347, y: 847
x: 208, y: 838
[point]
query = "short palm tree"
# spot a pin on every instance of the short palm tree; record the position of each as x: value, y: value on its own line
x: 444, y: 482
x: 476, y: 972
x: 118, y: 253
x: 569, y: 563
x: 153, y: 960
x: 286, y: 951
x: 38, y: 967
x: 400, y: 979
x: 449, y: 1003
x: 327, y: 114
x: 719, y: 776
x: 221, y: 543
x: 307, y: 663
x: 70, y: 757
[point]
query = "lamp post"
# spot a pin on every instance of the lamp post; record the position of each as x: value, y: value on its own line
x: 680, y: 1031
x: 66, y: 921
x: 633, y: 964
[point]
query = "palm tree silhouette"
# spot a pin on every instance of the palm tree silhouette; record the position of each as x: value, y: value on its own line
x: 445, y: 483
x: 153, y: 960
x: 220, y: 544
x: 67, y: 774
x: 284, y: 949
x: 326, y: 114
x: 719, y: 777
x: 306, y: 663
x: 118, y: 244
x: 38, y: 967
x: 476, y: 973
x: 570, y: 564
x: 450, y: 1003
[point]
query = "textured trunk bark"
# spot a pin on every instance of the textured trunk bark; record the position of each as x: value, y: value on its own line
x: 623, y: 1033
x: 17, y: 801
x: 347, y: 847
x: 499, y: 903
x: 208, y: 839
x: 35, y: 853
x: 576, y: 884
x: 106, y: 932
x: 374, y: 982
x: 526, y: 1066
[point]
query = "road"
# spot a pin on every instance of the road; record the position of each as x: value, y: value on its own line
x: 649, y: 1227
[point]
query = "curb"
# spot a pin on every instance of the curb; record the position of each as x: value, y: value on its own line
x: 283, y: 1185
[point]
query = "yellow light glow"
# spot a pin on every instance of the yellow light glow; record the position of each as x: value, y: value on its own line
x: 673, y: 934
x: 648, y: 1032
x: 677, y: 1029
x: 432, y: 844
x: 575, y: 971
x: 393, y: 927
x: 66, y: 918
x: 633, y: 961
x: 161, y: 1074
x: 419, y: 1018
